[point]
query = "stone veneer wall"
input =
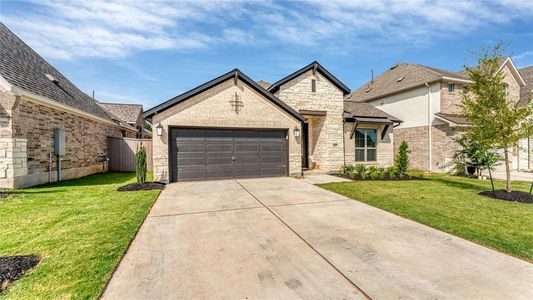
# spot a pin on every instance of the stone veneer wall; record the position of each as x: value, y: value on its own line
x: 27, y: 141
x: 443, y: 146
x: 385, y: 146
x: 325, y: 133
x: 213, y: 108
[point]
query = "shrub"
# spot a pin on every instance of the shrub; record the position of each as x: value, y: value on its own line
x: 140, y: 164
x: 381, y: 173
x: 373, y: 172
x: 391, y: 171
x: 352, y: 174
x: 401, y: 161
x: 360, y: 169
x: 346, y: 169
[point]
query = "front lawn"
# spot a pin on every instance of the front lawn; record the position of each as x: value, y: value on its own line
x: 451, y: 204
x: 79, y: 228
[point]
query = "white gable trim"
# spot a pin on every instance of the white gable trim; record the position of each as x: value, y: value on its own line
x: 5, y: 84
x: 514, y: 71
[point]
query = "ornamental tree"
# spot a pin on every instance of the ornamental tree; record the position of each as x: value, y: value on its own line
x: 140, y: 164
x: 497, y: 122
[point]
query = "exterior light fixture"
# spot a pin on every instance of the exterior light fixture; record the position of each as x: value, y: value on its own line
x: 296, y: 132
x: 159, y: 129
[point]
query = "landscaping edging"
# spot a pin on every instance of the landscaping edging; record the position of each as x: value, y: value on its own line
x: 385, y: 178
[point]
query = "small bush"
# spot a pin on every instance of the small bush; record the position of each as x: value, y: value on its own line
x: 381, y: 173
x: 401, y: 162
x: 346, y: 169
x: 352, y: 174
x: 360, y: 169
x: 373, y: 172
x: 140, y: 164
x: 391, y: 171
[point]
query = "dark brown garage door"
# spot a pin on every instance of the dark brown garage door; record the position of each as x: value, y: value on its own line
x: 200, y: 154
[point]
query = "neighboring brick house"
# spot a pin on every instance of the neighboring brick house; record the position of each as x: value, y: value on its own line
x: 234, y: 127
x: 35, y: 99
x: 427, y: 98
x: 132, y: 114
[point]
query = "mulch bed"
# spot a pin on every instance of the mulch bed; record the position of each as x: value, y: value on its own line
x: 3, y: 195
x: 141, y: 187
x: 386, y: 178
x: 13, y: 267
x: 515, y: 196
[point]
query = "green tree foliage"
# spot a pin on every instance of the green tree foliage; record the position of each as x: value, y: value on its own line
x: 473, y: 153
x: 497, y: 122
x: 401, y: 161
x: 140, y: 164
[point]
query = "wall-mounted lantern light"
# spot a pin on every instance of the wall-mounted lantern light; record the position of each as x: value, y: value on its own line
x: 296, y: 132
x: 159, y: 129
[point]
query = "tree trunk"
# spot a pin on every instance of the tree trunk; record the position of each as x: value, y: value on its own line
x: 507, y: 171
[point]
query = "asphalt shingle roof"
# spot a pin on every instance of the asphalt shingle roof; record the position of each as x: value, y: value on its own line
x: 399, y: 77
x: 264, y: 84
x: 127, y: 112
x: 527, y: 90
x: 365, y: 110
x: 24, y: 68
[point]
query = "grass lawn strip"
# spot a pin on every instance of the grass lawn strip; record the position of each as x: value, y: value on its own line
x: 452, y: 204
x: 79, y: 228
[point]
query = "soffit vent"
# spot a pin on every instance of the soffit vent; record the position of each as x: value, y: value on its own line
x: 400, y: 79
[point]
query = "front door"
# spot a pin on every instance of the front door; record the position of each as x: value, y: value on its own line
x: 305, y: 145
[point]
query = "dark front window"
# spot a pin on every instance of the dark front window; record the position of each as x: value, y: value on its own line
x: 365, y: 144
x: 313, y: 85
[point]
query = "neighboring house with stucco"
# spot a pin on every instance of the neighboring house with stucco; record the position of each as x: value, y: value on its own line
x: 131, y: 114
x: 234, y: 127
x: 428, y: 100
x: 35, y: 99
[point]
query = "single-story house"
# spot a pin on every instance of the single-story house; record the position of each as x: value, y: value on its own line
x: 131, y: 114
x: 234, y: 127
x: 428, y: 100
x: 36, y: 99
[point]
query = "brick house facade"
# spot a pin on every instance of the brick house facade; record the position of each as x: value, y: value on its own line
x: 35, y: 99
x: 428, y: 101
x: 307, y: 105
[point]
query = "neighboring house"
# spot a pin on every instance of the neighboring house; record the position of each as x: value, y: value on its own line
x: 35, y: 99
x: 234, y: 127
x: 428, y: 100
x: 132, y: 114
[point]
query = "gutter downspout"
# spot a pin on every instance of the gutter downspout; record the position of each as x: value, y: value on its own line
x: 430, y: 137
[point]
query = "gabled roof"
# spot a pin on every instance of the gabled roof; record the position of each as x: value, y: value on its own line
x: 22, y: 67
x: 453, y: 119
x: 402, y: 77
x: 123, y: 111
x: 526, y: 90
x: 367, y: 112
x: 228, y: 76
x: 319, y: 68
x: 264, y: 84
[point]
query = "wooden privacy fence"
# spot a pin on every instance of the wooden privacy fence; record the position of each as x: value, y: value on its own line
x: 121, y: 153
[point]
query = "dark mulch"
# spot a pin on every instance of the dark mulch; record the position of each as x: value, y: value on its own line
x: 3, y: 195
x: 386, y: 178
x: 13, y: 267
x: 142, y: 186
x: 516, y: 196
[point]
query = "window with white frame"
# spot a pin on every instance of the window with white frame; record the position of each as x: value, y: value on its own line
x: 365, y: 145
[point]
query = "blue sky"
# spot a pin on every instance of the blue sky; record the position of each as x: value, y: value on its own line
x: 147, y: 52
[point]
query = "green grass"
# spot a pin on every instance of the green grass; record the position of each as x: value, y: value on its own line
x: 451, y: 204
x: 80, y: 229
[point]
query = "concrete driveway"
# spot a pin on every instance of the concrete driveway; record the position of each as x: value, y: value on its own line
x: 285, y: 238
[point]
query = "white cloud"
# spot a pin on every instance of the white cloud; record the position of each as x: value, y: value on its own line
x: 71, y: 29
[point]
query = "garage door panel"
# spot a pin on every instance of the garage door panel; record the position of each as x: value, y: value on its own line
x: 200, y: 154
